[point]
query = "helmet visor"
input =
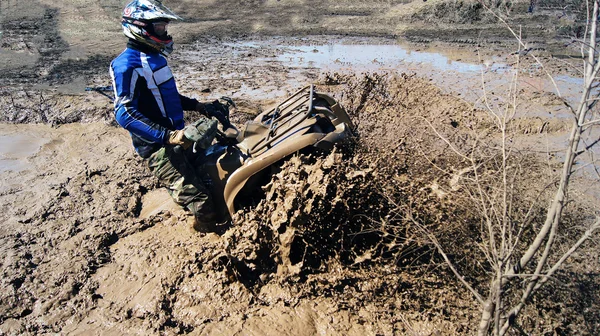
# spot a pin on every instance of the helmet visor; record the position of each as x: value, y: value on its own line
x: 160, y: 28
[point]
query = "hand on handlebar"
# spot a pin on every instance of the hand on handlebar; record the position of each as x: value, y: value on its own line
x: 217, y: 110
x: 178, y: 138
x: 231, y: 132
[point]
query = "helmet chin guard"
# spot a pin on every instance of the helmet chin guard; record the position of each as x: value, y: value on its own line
x: 138, y: 16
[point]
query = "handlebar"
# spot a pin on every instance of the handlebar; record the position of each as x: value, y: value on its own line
x: 102, y: 90
x: 221, y: 137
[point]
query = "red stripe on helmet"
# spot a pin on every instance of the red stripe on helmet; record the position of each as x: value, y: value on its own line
x: 157, y: 40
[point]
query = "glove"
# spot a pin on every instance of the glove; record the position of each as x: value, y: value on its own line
x: 216, y: 110
x: 231, y: 132
x: 178, y: 138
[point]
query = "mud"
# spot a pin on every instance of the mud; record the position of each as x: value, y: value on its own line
x: 92, y: 245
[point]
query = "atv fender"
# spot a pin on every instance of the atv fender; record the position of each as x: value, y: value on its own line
x: 238, y: 179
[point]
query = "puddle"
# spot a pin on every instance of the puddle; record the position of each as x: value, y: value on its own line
x: 74, y: 87
x: 435, y: 65
x: 375, y: 57
x: 156, y: 201
x: 458, y: 71
x: 351, y: 54
x: 15, y: 149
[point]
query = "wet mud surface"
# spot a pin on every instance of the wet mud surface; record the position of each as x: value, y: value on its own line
x: 92, y: 245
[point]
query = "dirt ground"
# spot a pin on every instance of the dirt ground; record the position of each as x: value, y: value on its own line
x: 91, y: 244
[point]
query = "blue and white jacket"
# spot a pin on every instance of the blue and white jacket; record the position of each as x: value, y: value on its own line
x: 147, y: 102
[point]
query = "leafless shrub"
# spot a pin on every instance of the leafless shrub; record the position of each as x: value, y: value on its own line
x: 520, y: 237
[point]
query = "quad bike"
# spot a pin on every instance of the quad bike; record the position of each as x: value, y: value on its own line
x: 236, y: 168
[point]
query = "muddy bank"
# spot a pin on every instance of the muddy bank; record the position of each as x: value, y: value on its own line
x: 82, y: 255
x: 70, y: 254
x: 58, y: 218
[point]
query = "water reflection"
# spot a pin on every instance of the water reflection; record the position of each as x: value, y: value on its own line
x: 15, y: 149
x: 375, y: 57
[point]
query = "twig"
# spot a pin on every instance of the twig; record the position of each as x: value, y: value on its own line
x: 448, y: 262
x: 590, y: 123
x: 543, y: 278
x: 445, y: 140
x: 523, y: 45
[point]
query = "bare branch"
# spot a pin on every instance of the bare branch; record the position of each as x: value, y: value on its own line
x: 543, y: 278
x: 546, y: 235
x: 588, y: 147
x: 445, y: 140
x: 587, y: 234
x: 591, y: 123
x: 593, y: 163
x: 446, y: 259
x: 518, y: 38
x: 488, y: 220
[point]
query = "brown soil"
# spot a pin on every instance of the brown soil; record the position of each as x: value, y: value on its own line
x: 92, y: 245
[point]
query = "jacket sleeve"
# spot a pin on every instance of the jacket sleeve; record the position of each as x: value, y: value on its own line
x: 188, y: 104
x: 127, y: 113
x: 131, y: 119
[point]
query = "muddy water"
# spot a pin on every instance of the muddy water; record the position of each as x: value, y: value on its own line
x: 270, y: 69
x: 481, y: 80
x: 17, y: 144
x: 374, y: 57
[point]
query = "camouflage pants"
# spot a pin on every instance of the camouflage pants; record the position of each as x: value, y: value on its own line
x: 178, y: 173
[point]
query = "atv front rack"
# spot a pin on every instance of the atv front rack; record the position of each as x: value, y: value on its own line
x: 305, y: 119
x: 284, y: 119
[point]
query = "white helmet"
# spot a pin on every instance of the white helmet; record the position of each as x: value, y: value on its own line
x: 139, y: 17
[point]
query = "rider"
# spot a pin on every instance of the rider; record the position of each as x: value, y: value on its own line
x: 149, y: 106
